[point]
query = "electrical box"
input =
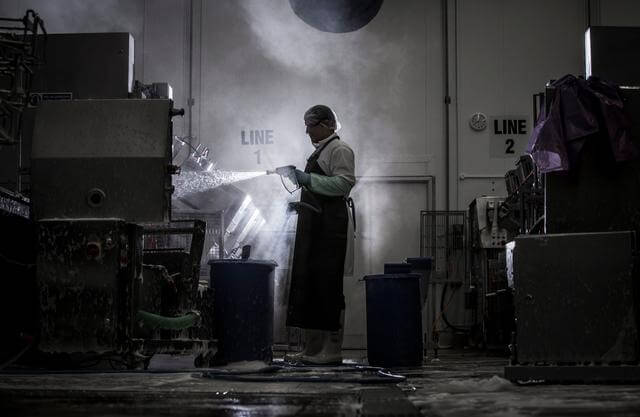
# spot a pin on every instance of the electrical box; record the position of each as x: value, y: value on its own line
x: 84, y: 65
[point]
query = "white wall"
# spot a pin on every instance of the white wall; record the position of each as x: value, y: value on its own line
x: 506, y: 51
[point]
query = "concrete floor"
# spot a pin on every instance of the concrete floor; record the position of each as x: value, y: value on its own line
x: 458, y: 384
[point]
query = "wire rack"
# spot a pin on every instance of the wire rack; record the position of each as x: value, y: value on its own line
x: 443, y: 237
x: 213, y: 240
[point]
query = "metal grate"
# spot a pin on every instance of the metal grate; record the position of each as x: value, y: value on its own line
x: 213, y: 240
x: 443, y: 238
x: 12, y: 203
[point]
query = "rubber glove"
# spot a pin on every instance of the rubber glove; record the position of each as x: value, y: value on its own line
x: 302, y: 177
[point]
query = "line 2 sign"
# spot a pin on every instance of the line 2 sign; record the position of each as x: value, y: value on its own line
x: 509, y: 136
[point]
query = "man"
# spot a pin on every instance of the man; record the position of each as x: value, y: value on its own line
x: 316, y: 301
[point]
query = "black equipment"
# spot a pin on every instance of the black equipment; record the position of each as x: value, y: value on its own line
x: 102, y: 158
x: 575, y: 311
x: 577, y: 287
x: 611, y: 53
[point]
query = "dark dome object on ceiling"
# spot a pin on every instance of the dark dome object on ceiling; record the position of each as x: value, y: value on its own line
x: 337, y: 16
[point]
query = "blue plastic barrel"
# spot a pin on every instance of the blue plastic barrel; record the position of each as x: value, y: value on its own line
x: 243, y: 309
x: 397, y: 268
x: 394, y: 320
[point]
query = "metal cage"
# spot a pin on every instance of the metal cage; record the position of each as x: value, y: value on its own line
x: 443, y: 237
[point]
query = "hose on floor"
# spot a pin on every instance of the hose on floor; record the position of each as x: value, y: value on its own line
x: 443, y: 308
x: 156, y: 321
x: 279, y: 373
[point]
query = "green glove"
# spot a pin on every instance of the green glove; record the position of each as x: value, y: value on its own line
x: 302, y: 177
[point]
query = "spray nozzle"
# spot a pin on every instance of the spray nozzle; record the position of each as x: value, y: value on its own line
x: 287, y: 172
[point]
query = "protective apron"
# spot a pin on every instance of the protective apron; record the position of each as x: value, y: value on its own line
x: 315, y: 295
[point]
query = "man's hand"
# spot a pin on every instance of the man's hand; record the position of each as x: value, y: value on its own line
x: 302, y: 177
x: 293, y: 207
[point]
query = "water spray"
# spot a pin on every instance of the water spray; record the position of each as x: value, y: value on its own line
x: 189, y: 182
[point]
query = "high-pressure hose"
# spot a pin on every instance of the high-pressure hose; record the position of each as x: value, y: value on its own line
x: 443, y: 308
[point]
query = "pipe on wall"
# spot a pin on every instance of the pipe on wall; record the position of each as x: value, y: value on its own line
x: 190, y: 100
x: 449, y: 67
x: 447, y: 99
x: 428, y: 180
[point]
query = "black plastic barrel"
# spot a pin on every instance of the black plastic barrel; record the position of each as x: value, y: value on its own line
x: 243, y: 309
x: 394, y: 320
x: 422, y: 266
x: 397, y: 268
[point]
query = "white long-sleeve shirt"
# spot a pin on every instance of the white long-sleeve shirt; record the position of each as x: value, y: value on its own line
x: 338, y: 162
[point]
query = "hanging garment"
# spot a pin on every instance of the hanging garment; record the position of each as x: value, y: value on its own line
x: 580, y: 108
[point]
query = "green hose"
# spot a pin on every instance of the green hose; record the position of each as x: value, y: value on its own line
x: 156, y: 321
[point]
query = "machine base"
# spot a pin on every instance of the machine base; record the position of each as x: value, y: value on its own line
x: 596, y: 374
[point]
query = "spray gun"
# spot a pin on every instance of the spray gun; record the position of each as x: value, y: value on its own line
x: 287, y: 172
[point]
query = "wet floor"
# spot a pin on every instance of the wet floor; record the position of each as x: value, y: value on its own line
x: 459, y: 384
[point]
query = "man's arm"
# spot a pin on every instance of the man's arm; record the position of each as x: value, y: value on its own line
x: 341, y: 176
x: 330, y: 186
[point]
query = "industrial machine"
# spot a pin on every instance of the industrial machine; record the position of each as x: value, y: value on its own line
x: 582, y: 264
x: 524, y: 205
x: 577, y: 313
x: 100, y: 268
x: 490, y: 228
x: 92, y: 217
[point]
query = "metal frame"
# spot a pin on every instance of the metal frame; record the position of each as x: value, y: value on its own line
x: 214, y: 232
x: 441, y: 254
x: 20, y: 55
x: 433, y: 237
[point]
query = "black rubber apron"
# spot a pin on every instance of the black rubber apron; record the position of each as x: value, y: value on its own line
x: 315, y: 295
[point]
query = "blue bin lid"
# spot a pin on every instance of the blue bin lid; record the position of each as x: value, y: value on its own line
x: 396, y: 264
x: 424, y: 261
x: 393, y: 276
x: 249, y: 261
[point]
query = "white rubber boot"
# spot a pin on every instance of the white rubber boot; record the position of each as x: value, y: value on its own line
x: 312, y: 342
x: 331, y: 351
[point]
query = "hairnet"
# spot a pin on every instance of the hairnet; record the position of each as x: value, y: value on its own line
x: 320, y: 113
